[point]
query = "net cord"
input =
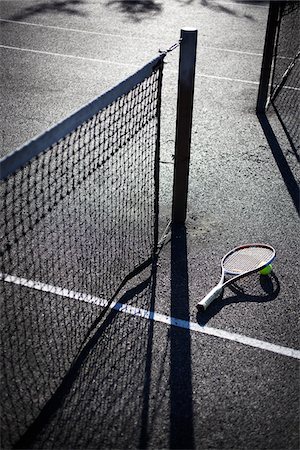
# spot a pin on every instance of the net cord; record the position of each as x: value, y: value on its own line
x: 20, y: 157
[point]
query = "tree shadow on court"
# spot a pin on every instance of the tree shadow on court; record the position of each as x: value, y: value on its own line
x: 136, y: 10
x: 69, y: 7
x: 280, y: 159
x: 218, y: 7
x: 103, y: 399
x: 181, y: 413
x: 253, y: 289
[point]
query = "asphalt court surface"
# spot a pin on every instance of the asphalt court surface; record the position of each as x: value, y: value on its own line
x: 145, y: 383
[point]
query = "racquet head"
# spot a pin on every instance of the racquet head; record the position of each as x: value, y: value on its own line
x: 247, y: 258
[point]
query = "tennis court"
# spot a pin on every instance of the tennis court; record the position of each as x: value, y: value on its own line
x: 102, y: 345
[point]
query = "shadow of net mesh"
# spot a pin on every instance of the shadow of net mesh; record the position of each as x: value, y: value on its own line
x: 76, y: 220
x: 103, y: 402
x: 285, y: 82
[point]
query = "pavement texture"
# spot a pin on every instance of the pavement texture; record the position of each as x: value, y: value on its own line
x: 143, y: 383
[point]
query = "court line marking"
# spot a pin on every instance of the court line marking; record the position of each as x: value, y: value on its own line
x: 229, y: 50
x: 77, y: 30
x: 105, y: 61
x: 137, y: 38
x: 111, y: 62
x: 64, y: 55
x: 216, y: 77
x: 113, y: 35
x: 154, y: 316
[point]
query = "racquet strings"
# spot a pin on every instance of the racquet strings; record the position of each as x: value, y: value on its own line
x: 247, y: 259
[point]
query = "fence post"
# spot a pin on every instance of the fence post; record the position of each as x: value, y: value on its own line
x: 186, y: 78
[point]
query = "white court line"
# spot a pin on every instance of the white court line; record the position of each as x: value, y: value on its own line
x: 229, y: 50
x: 63, y: 55
x: 111, y: 62
x: 120, y: 36
x: 105, y: 61
x: 239, y: 80
x: 151, y: 315
x: 137, y: 38
x: 76, y: 30
x: 216, y: 77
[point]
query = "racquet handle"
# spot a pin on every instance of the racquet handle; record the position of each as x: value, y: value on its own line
x: 209, y: 298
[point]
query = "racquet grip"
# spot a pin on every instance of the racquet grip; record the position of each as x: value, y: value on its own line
x: 209, y: 298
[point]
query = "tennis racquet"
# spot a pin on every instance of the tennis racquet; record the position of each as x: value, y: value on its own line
x: 239, y: 262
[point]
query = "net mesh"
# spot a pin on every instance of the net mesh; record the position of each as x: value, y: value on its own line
x: 285, y: 83
x: 287, y: 45
x: 76, y: 220
x: 246, y: 259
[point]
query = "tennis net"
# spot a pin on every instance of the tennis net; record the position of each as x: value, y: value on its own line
x: 287, y: 47
x: 79, y: 216
x: 285, y: 78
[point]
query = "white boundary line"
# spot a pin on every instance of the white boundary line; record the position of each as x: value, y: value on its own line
x: 157, y: 317
x: 130, y: 37
x: 63, y: 55
x: 120, y: 36
x: 105, y: 61
x: 216, y: 77
x: 229, y: 50
x: 77, y: 30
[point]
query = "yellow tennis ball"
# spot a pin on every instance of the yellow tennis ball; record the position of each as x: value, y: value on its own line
x: 266, y: 270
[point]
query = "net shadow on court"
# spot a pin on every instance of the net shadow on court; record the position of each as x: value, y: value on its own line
x: 181, y: 389
x: 79, y: 219
x: 107, y: 386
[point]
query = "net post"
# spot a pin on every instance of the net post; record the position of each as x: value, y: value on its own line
x: 186, y: 79
x: 267, y: 60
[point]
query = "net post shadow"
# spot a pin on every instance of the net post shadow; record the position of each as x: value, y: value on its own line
x: 181, y: 409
